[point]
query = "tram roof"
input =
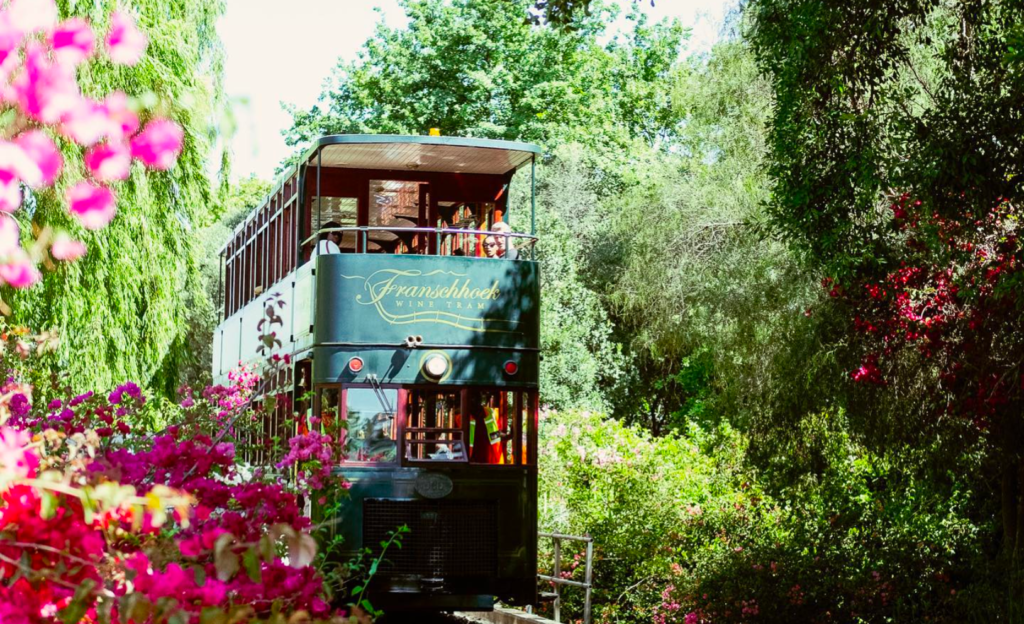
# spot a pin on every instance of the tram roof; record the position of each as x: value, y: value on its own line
x: 422, y: 153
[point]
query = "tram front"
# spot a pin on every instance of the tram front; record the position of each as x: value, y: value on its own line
x: 423, y: 361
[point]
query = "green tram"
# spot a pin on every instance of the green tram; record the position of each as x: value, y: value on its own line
x: 414, y: 344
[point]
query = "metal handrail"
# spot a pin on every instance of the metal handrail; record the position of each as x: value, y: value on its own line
x: 557, y: 579
x: 416, y: 229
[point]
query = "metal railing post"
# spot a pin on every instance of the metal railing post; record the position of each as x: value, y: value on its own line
x: 556, y: 580
x: 533, y: 205
x: 558, y: 575
x: 587, y: 578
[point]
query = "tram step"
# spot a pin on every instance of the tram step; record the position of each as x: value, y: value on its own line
x: 547, y: 597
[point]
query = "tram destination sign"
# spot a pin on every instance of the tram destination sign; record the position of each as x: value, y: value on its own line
x: 383, y: 299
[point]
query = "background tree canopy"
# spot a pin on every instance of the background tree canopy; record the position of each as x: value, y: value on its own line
x: 896, y: 166
x: 124, y: 310
x: 479, y: 69
x: 649, y: 199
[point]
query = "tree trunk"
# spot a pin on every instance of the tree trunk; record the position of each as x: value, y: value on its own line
x: 1019, y: 544
x: 1009, y: 506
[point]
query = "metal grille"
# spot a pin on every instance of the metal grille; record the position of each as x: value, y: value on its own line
x: 447, y: 539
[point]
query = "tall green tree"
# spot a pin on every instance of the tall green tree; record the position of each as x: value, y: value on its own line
x: 701, y: 297
x: 895, y: 156
x: 478, y: 68
x: 124, y: 310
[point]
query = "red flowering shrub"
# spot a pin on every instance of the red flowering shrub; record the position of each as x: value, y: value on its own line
x: 945, y: 292
x: 101, y: 522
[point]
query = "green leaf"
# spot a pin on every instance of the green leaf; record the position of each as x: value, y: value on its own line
x: 251, y: 561
x: 80, y: 603
x: 48, y: 505
x: 213, y: 615
x: 301, y: 550
x: 224, y: 559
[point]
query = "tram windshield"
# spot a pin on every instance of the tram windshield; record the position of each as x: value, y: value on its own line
x: 362, y: 423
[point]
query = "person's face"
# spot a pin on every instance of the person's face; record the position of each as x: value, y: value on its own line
x: 500, y: 240
x: 490, y: 247
x: 336, y: 237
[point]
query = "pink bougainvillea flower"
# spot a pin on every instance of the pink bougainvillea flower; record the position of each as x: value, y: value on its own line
x: 87, y: 122
x: 72, y: 41
x: 29, y: 16
x: 123, y: 120
x: 109, y: 161
x: 125, y: 42
x: 10, y: 39
x: 15, y: 459
x: 10, y: 236
x: 159, y: 143
x: 19, y: 271
x: 41, y: 149
x: 15, y: 160
x: 66, y: 248
x: 45, y: 91
x: 10, y: 191
x: 93, y: 205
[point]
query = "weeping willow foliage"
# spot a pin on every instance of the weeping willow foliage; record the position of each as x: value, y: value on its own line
x: 124, y: 311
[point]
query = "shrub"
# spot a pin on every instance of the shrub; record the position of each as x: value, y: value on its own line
x: 686, y: 532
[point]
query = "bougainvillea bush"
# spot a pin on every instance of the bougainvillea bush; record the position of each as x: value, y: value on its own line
x: 100, y: 519
x: 100, y: 522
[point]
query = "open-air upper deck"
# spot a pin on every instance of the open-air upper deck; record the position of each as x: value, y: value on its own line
x: 419, y: 207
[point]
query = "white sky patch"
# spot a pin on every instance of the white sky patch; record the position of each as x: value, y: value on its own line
x: 282, y: 52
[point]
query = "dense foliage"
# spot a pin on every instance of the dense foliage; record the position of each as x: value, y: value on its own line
x: 479, y: 69
x: 686, y: 531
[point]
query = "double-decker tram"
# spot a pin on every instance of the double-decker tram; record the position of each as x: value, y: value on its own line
x: 411, y: 315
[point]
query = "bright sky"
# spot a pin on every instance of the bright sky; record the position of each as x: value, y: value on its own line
x: 282, y: 52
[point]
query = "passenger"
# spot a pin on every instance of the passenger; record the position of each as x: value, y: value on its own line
x: 459, y: 252
x: 491, y: 247
x: 505, y: 248
x: 330, y: 241
x: 478, y: 439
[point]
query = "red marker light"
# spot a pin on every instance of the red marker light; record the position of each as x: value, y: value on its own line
x: 355, y: 364
x: 511, y: 368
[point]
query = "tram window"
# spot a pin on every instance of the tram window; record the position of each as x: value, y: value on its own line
x: 394, y: 203
x: 328, y: 411
x: 434, y: 429
x: 496, y: 422
x: 340, y: 210
x: 464, y: 216
x: 369, y: 431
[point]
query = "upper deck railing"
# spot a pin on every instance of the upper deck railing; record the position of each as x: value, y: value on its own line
x: 433, y: 245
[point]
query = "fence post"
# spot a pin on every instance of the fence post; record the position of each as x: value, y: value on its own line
x: 558, y: 575
x: 589, y: 572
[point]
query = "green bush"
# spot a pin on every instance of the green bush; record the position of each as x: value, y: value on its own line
x: 684, y: 528
x: 636, y: 496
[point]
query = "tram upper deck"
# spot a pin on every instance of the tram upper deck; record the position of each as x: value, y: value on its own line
x: 408, y: 218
